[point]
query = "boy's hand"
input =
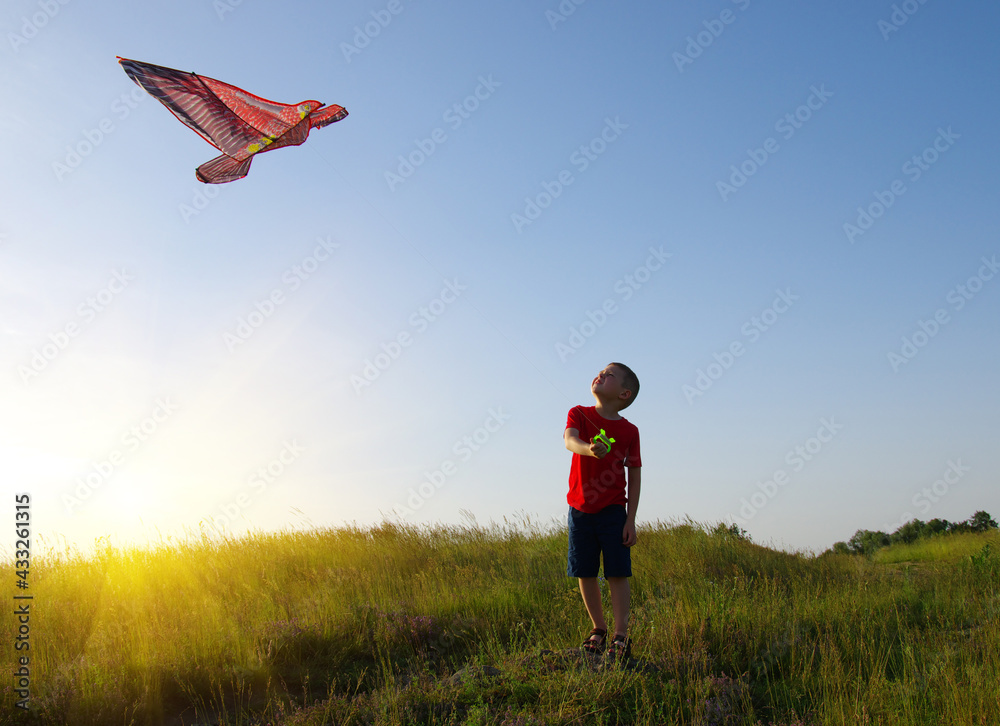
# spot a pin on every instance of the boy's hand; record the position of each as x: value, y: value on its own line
x: 598, y: 448
x: 604, y: 439
x: 629, y: 536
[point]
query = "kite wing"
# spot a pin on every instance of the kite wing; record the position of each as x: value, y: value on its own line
x: 227, y: 117
x: 237, y: 123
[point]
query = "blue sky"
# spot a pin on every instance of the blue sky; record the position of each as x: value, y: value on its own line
x: 782, y: 216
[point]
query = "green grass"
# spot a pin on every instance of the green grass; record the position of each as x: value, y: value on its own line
x: 367, y: 626
x: 946, y: 549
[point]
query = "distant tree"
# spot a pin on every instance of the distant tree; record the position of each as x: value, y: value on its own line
x: 909, y: 532
x: 958, y: 527
x: 981, y: 522
x: 866, y: 542
x: 733, y: 530
x: 937, y: 526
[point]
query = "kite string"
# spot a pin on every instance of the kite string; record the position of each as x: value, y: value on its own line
x: 438, y: 272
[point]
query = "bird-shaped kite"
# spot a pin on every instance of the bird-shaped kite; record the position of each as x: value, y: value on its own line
x: 237, y: 123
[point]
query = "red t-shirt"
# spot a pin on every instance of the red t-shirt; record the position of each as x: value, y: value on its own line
x: 597, y: 483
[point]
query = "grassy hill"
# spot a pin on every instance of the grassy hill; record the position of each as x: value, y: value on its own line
x: 371, y: 626
x: 946, y: 550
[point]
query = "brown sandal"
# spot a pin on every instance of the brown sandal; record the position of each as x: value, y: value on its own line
x: 621, y: 647
x: 595, y: 645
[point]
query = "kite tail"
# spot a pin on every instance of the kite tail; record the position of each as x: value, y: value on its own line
x: 223, y: 169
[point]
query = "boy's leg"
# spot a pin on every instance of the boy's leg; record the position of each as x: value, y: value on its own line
x: 590, y: 589
x: 584, y: 563
x: 620, y: 593
x: 617, y: 565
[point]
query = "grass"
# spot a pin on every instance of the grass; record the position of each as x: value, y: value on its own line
x: 369, y: 626
x: 946, y: 549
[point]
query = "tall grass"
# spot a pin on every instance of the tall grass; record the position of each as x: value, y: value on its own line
x: 370, y: 626
x: 944, y: 548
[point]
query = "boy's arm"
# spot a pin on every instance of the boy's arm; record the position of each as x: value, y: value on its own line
x: 571, y: 437
x: 634, y: 485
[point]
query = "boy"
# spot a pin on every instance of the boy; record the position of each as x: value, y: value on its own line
x: 601, y: 516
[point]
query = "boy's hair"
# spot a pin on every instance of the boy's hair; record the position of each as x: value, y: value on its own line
x: 631, y: 382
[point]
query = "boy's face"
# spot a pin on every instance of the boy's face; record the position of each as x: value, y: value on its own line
x: 608, y: 385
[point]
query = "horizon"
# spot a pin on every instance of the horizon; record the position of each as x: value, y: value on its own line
x: 521, y: 523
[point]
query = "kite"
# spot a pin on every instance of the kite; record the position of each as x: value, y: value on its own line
x: 239, y: 124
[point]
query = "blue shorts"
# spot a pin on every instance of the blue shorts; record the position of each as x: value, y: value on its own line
x: 593, y: 535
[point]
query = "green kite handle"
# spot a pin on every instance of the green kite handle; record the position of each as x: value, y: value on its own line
x: 603, y: 438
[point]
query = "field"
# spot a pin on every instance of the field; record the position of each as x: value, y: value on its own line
x: 468, y: 625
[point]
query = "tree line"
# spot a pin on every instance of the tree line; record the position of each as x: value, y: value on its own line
x: 867, y: 542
